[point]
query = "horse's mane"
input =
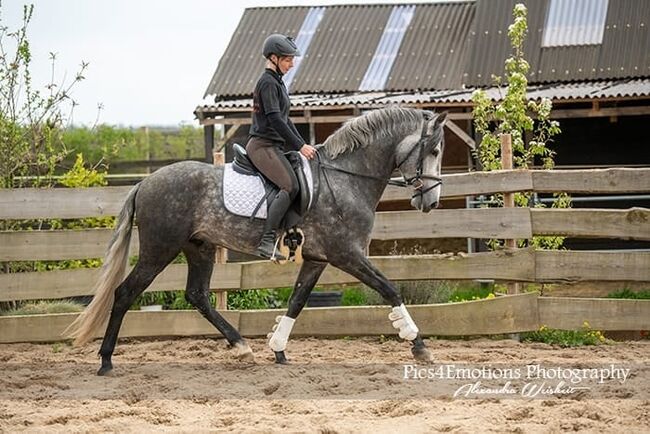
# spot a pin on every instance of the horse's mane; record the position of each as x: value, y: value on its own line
x: 371, y: 127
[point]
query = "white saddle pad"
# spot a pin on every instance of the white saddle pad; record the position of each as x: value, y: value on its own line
x: 242, y: 193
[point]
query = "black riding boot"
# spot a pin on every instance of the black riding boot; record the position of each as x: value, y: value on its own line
x: 277, y: 210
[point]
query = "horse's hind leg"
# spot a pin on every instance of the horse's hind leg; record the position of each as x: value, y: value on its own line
x: 136, y: 282
x: 200, y: 259
x: 361, y: 268
x: 309, y: 274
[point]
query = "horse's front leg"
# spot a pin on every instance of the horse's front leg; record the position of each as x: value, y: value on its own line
x: 361, y: 268
x: 307, y: 278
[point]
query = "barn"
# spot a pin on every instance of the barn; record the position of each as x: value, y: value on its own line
x: 590, y: 57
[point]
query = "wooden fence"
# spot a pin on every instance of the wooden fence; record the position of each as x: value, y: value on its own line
x: 524, y: 265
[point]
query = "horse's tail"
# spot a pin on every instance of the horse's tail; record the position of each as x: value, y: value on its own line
x: 88, y: 323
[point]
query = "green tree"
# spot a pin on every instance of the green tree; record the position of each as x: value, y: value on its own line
x: 511, y: 116
x: 31, y: 119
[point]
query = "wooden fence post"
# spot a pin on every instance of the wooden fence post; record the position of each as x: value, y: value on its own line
x: 508, y: 198
x: 221, y: 256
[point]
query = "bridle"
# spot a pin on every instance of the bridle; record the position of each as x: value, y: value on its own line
x: 416, y: 181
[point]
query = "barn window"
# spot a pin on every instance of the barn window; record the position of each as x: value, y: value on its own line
x: 387, y: 49
x: 574, y: 22
x: 303, y: 39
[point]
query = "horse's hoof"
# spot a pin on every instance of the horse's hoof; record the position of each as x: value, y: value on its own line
x: 422, y: 354
x: 280, y: 358
x: 244, y: 352
x: 105, y: 370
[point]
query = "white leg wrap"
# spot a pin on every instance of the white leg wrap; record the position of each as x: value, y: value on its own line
x: 281, y: 331
x: 403, y: 322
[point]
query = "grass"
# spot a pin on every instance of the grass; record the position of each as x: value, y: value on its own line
x: 643, y: 294
x: 44, y: 307
x: 566, y: 338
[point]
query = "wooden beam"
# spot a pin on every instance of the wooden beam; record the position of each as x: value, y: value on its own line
x: 469, y: 141
x: 336, y: 119
x: 557, y: 113
x: 443, y: 223
x: 629, y: 224
x: 601, y: 314
x: 503, y: 265
x: 600, y: 112
x: 620, y: 180
x: 574, y: 266
x: 221, y: 254
x: 501, y: 315
x: 65, y: 203
x: 226, y: 138
x: 208, y: 138
x: 454, y: 223
x: 72, y: 283
x: 49, y: 328
x: 58, y: 245
x: 32, y: 203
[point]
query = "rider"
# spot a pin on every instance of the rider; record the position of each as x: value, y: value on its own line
x: 273, y: 133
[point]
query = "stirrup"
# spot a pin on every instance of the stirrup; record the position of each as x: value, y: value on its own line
x: 281, y: 258
x: 273, y: 255
x: 291, y: 244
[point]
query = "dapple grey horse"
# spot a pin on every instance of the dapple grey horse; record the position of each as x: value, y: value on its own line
x: 179, y: 208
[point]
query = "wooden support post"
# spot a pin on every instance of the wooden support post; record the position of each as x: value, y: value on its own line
x: 508, y: 198
x: 208, y: 138
x: 312, y: 128
x: 221, y: 256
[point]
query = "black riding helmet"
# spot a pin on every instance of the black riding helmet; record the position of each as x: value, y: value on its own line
x: 280, y: 45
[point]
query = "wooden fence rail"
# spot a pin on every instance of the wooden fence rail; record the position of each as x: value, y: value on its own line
x: 503, y: 315
x: 523, y: 265
x: 31, y: 203
x: 508, y: 314
x: 632, y: 224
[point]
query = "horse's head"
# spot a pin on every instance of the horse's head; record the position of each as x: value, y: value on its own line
x: 419, y: 159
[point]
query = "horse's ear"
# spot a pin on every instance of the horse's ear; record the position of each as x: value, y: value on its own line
x: 441, y: 118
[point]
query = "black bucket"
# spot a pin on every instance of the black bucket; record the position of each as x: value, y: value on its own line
x: 324, y: 299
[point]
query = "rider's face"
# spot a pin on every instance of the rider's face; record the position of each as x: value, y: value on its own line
x: 285, y: 63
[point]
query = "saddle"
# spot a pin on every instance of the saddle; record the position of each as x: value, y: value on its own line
x: 248, y: 193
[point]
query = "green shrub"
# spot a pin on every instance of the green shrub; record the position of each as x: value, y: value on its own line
x: 471, y: 293
x: 565, y: 338
x: 644, y: 294
x: 251, y: 299
x: 281, y: 296
x: 353, y: 297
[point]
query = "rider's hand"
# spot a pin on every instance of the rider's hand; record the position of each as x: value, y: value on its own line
x: 308, y: 151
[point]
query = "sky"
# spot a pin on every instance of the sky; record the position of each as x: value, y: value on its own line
x: 150, y: 61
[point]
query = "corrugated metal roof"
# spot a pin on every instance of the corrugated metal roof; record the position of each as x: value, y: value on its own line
x: 431, y: 55
x: 434, y: 50
x: 562, y: 92
x: 242, y: 63
x: 342, y: 49
x: 446, y: 46
x: 624, y: 52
